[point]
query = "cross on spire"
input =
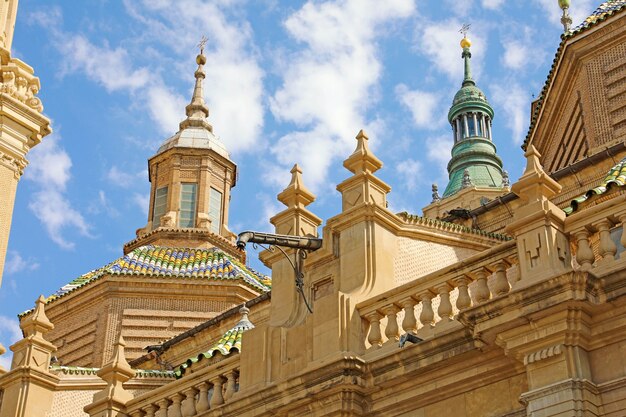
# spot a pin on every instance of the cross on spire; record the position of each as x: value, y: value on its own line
x: 201, y: 44
x: 464, y: 29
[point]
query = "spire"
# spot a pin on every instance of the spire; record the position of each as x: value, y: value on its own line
x: 466, y: 55
x: 436, y: 196
x: 197, y: 110
x: 296, y: 194
x: 37, y: 323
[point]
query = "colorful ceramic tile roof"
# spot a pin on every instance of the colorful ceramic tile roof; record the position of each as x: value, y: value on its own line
x: 174, y: 262
x: 229, y: 342
x: 605, y: 9
x: 603, y: 12
x: 616, y: 176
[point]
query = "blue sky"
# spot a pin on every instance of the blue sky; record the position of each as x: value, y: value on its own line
x: 287, y: 82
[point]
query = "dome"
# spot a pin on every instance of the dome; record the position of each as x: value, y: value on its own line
x: 195, y: 137
x: 469, y: 98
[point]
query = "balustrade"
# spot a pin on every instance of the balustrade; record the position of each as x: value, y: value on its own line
x: 190, y: 396
x: 432, y: 301
x: 598, y: 235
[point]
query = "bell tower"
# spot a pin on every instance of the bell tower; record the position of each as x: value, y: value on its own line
x: 475, y: 170
x: 191, y: 176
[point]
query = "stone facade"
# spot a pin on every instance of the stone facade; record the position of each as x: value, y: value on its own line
x: 517, y: 309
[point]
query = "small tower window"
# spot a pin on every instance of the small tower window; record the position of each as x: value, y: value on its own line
x: 187, y: 205
x: 479, y: 125
x: 160, y: 203
x: 215, y: 210
x: 471, y: 126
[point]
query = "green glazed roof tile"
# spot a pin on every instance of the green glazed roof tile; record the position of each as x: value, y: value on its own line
x: 616, y: 176
x: 229, y: 342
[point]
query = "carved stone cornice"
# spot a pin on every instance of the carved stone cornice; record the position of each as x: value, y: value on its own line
x: 17, y: 80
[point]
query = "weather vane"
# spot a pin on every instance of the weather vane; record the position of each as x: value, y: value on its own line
x: 203, y: 42
x: 464, y: 29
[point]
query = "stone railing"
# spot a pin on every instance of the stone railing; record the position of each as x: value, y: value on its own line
x: 431, y: 302
x: 191, y: 395
x: 597, y: 234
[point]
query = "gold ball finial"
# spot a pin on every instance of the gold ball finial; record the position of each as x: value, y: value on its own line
x: 465, y: 43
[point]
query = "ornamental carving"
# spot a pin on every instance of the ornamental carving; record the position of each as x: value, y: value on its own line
x: 14, y: 164
x: 21, y: 85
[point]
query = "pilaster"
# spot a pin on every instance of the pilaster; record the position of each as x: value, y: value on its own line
x: 22, y: 124
x: 538, y: 225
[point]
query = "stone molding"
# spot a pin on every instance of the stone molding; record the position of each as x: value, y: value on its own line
x: 542, y: 354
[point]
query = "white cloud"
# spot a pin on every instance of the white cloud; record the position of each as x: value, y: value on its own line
x: 125, y: 179
x: 438, y: 150
x: 49, y: 169
x: 112, y: 68
x: 409, y: 170
x: 424, y: 106
x: 492, y: 4
x: 169, y: 31
x: 515, y: 102
x: 16, y: 263
x: 440, y: 43
x: 515, y: 55
x: 142, y: 201
x: 328, y: 86
x: 10, y: 333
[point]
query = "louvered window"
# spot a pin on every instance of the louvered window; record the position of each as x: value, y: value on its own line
x: 215, y: 210
x: 187, y: 205
x: 160, y: 204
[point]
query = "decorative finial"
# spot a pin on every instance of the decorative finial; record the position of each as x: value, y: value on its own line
x: 467, y: 181
x: 436, y: 196
x: 244, y: 322
x: 465, y: 42
x: 566, y: 19
x: 296, y: 195
x: 197, y: 111
x: 506, y: 182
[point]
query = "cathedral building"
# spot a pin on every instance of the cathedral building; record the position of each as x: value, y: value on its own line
x: 501, y: 300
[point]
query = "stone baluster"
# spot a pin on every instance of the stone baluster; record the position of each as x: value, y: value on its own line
x: 188, y: 408
x: 174, y: 409
x: 374, y: 337
x: 584, y: 254
x: 481, y: 290
x: 500, y: 283
x: 163, y: 404
x: 217, y: 398
x: 231, y: 384
x: 409, y: 323
x: 203, y: 398
x: 427, y: 316
x: 607, y: 246
x: 392, y: 331
x: 445, y: 306
x: 622, y: 240
x: 150, y: 410
x: 464, y: 300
